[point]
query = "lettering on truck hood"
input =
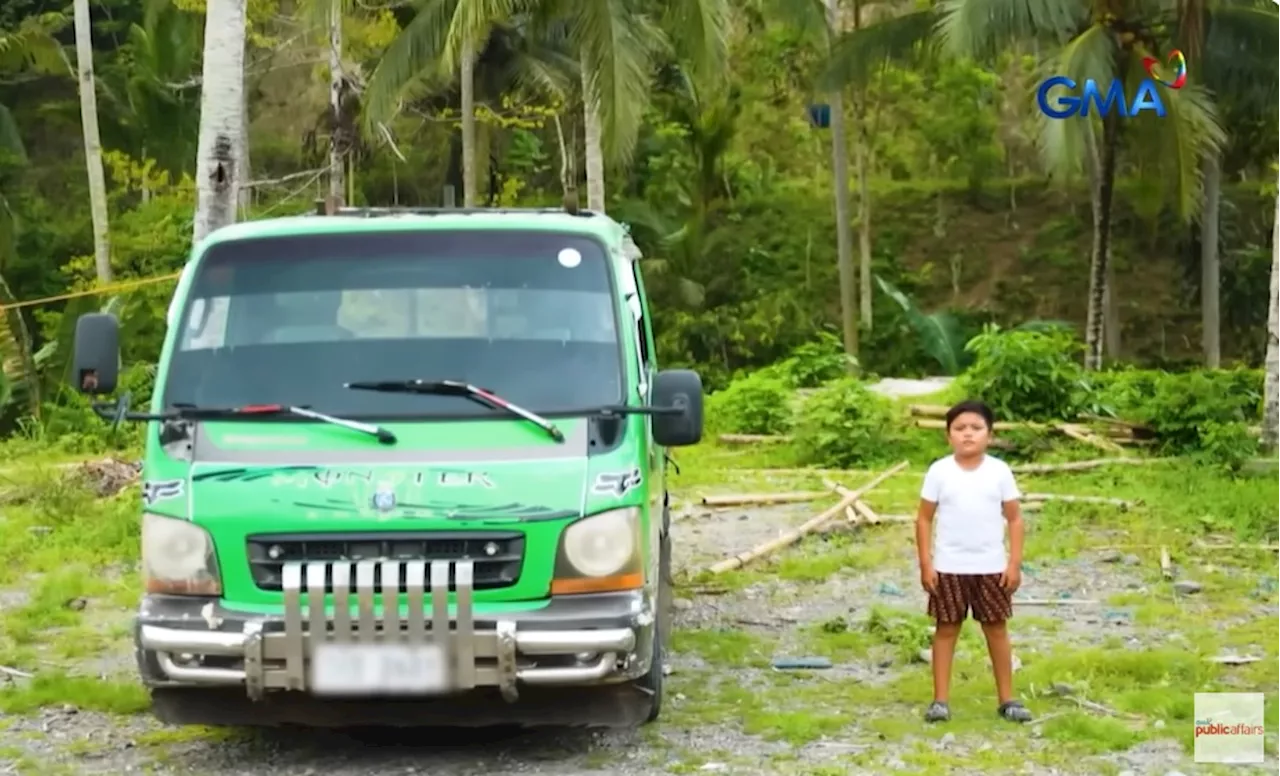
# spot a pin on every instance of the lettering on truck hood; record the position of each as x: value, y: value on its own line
x: 205, y: 449
x: 503, y: 492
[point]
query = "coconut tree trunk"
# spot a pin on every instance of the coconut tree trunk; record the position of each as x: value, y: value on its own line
x: 1101, y: 254
x: 218, y: 171
x: 864, y: 195
x: 1111, y: 314
x: 1271, y: 390
x: 244, y: 198
x: 1210, y: 264
x: 468, y: 87
x: 594, y: 138
x: 337, y: 156
x: 844, y: 229
x: 864, y: 223
x: 92, y: 142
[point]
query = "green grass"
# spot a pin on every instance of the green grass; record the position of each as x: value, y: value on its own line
x: 1179, y: 505
x: 62, y: 547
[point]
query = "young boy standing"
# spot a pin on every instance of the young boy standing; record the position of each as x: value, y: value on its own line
x: 971, y: 496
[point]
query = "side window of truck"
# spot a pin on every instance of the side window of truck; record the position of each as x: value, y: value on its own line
x: 642, y: 322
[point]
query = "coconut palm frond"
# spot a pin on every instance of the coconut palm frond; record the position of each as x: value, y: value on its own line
x: 982, y: 28
x: 619, y: 46
x: 1062, y: 142
x: 416, y: 49
x: 856, y: 55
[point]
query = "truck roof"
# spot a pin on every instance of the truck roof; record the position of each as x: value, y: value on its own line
x: 364, y: 220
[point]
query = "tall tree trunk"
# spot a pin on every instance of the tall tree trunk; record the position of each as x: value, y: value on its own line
x: 337, y: 143
x: 218, y: 172
x: 594, y: 144
x: 92, y: 142
x: 1271, y: 390
x: 468, y: 78
x: 1111, y: 323
x: 844, y: 229
x: 1101, y: 241
x: 244, y: 198
x: 568, y: 166
x: 864, y: 222
x: 864, y: 194
x: 1210, y: 264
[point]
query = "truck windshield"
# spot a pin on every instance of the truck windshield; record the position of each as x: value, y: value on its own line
x: 290, y: 320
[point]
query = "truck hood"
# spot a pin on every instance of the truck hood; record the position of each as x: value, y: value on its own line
x: 455, y: 473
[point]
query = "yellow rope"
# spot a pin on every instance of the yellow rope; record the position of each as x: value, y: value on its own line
x: 91, y: 291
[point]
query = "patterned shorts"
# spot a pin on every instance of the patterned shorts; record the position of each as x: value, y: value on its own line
x: 958, y: 593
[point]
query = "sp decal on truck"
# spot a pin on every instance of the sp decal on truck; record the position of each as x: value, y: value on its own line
x: 616, y: 483
x: 160, y: 490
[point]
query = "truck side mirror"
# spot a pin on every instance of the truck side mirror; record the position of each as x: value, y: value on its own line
x: 95, y: 364
x: 679, y: 388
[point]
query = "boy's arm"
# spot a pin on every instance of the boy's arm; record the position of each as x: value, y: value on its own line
x: 924, y: 532
x: 929, y: 495
x: 1013, y: 516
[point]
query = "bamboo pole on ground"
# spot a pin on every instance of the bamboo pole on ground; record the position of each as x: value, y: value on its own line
x: 760, y: 499
x: 750, y: 439
x: 810, y: 525
x: 1082, y: 435
x: 1117, y: 502
x: 1076, y: 466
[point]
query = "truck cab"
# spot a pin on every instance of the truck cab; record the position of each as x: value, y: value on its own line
x: 405, y: 467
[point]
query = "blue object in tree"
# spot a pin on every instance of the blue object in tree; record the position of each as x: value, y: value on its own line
x: 820, y: 115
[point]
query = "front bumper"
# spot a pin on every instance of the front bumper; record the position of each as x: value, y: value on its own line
x: 573, y: 641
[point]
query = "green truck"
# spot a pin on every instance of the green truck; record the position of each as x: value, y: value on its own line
x: 405, y: 467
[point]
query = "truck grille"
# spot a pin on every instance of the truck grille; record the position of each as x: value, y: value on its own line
x: 497, y: 556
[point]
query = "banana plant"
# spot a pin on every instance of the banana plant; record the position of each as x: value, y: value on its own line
x: 19, y: 381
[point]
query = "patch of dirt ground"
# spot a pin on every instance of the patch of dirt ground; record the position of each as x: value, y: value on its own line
x: 849, y: 596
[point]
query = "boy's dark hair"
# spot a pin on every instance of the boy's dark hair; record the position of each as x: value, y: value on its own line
x: 974, y: 406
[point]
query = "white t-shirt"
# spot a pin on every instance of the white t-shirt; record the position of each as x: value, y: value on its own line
x: 970, y: 517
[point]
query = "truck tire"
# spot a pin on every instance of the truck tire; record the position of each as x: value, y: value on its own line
x: 654, y: 681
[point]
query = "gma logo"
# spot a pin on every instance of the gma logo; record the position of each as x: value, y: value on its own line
x: 1064, y: 103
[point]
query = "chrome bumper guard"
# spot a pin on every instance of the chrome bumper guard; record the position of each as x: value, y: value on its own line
x: 280, y: 658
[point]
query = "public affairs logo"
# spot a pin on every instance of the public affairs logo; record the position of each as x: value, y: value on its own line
x: 1229, y: 727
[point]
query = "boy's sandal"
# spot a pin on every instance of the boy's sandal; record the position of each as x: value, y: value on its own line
x: 937, y: 712
x: 1014, y: 712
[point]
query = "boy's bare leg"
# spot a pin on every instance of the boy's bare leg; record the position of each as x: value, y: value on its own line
x: 1001, y: 652
x: 945, y: 636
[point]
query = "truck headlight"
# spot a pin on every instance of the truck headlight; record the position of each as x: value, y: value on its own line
x: 178, y: 557
x: 600, y: 553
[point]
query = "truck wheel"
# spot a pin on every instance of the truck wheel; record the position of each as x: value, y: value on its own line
x: 654, y: 680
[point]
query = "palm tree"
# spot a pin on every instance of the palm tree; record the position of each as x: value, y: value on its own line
x: 218, y: 172
x: 1226, y: 41
x: 1103, y: 41
x: 615, y: 42
x: 1271, y: 390
x: 448, y: 37
x: 30, y: 47
x: 327, y: 15
x: 92, y: 140
x: 818, y: 21
x: 164, y: 51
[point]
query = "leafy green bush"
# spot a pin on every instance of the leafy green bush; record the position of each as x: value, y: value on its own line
x: 1228, y: 445
x: 843, y: 424
x: 758, y: 403
x: 814, y: 363
x: 1026, y: 374
x: 1203, y: 413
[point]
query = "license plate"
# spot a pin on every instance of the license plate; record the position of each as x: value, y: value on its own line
x: 378, y: 669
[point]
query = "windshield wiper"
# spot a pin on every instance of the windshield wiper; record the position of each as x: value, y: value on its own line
x: 192, y: 412
x: 455, y: 388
